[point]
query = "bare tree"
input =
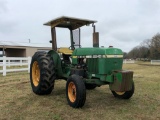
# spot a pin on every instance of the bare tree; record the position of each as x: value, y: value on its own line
x: 149, y: 48
x: 134, y: 53
x: 155, y: 47
x: 144, y: 48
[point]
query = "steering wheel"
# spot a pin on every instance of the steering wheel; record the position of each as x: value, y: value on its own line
x: 71, y: 48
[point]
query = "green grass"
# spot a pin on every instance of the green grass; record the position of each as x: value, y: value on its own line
x: 17, y: 101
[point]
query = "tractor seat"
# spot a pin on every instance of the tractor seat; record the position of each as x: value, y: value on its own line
x: 65, y: 50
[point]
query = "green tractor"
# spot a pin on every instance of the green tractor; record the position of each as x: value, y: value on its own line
x: 82, y: 68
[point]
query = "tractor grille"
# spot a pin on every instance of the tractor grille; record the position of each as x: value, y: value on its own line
x: 92, y: 65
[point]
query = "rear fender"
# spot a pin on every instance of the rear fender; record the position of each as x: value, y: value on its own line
x: 57, y: 62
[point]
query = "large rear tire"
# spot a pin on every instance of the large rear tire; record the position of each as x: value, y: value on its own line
x: 42, y: 74
x: 124, y: 95
x: 75, y: 91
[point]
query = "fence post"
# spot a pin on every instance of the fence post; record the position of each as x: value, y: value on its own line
x: 29, y: 61
x: 4, y: 65
x: 20, y: 61
x: 9, y: 63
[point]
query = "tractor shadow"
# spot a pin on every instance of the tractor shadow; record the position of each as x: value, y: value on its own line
x: 102, y: 96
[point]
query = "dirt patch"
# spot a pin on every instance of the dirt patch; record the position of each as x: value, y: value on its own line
x: 13, y: 83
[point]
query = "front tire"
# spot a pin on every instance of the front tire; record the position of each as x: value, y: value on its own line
x: 75, y: 91
x: 124, y: 95
x: 42, y: 74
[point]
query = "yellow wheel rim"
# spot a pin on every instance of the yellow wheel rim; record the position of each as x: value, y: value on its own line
x: 35, y: 73
x: 120, y: 93
x: 72, y: 92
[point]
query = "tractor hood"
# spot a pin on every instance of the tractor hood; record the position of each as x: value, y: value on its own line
x: 97, y: 51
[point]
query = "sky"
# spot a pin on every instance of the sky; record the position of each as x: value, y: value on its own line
x: 123, y: 24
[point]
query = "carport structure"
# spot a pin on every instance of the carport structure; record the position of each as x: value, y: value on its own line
x: 17, y: 49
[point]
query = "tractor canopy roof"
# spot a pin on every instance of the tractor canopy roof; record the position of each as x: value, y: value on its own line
x: 69, y: 22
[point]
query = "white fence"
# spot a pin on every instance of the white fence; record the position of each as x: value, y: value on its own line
x: 155, y: 61
x: 128, y: 61
x: 14, y: 61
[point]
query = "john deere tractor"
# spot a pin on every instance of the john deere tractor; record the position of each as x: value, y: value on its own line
x: 82, y: 68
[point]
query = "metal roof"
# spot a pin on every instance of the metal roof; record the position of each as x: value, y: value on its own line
x: 69, y: 22
x: 23, y: 44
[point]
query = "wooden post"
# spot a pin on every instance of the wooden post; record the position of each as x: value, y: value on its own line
x: 4, y: 65
x: 29, y: 62
x: 20, y: 61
